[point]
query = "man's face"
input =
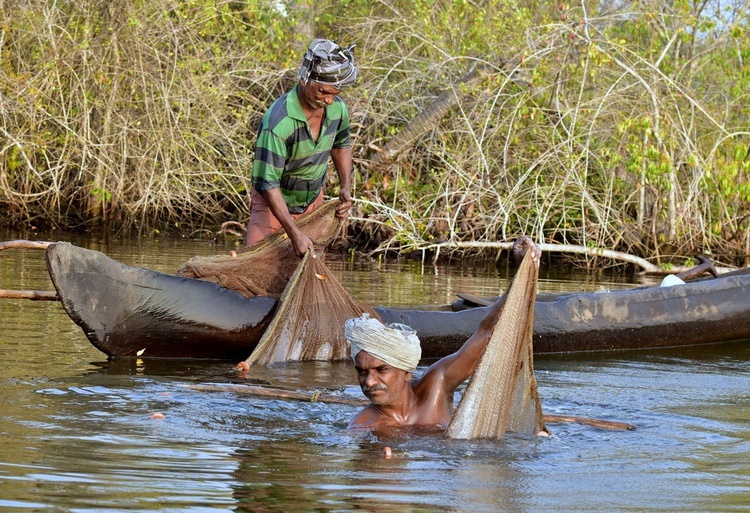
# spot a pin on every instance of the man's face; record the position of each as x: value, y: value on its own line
x: 381, y: 383
x: 317, y: 95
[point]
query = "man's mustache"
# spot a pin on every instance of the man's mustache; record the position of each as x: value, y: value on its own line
x: 376, y: 388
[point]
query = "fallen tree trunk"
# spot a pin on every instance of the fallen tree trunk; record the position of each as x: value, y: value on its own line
x: 429, y: 117
x: 646, y: 266
x: 424, y: 121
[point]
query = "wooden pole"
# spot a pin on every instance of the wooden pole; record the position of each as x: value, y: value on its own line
x: 24, y: 244
x: 34, y: 295
x: 278, y: 393
x: 604, y: 424
x: 317, y: 396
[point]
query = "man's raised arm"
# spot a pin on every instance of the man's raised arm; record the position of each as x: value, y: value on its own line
x: 456, y: 368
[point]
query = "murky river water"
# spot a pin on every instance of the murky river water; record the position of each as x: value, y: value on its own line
x: 77, y: 433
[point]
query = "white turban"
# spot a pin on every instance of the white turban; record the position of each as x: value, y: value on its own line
x: 395, y: 344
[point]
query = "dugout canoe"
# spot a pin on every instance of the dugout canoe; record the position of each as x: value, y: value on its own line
x: 128, y: 311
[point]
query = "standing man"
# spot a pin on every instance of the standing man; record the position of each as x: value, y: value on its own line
x: 298, y: 133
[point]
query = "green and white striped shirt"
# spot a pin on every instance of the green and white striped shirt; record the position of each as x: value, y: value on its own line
x: 287, y: 158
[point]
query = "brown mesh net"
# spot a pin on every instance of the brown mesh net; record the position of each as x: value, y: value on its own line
x: 313, y: 306
x: 309, y: 322
x: 502, y: 393
x: 264, y: 268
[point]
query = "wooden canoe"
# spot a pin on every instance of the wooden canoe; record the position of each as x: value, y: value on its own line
x: 131, y: 311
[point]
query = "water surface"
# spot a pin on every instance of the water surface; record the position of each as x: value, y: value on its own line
x: 77, y: 433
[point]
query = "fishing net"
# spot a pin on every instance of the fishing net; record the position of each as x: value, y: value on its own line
x: 309, y: 321
x: 502, y: 393
x: 264, y: 268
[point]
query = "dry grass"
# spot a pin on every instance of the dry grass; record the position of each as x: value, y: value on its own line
x: 575, y: 131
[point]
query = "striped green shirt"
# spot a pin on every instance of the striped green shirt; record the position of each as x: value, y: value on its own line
x: 287, y: 158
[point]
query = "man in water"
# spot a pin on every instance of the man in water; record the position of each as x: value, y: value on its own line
x: 297, y: 135
x: 385, y: 358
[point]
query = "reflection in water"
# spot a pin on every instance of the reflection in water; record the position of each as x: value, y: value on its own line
x: 356, y: 476
x: 315, y: 463
x: 76, y: 431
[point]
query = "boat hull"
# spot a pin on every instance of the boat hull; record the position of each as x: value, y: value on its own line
x: 705, y: 312
x: 130, y: 311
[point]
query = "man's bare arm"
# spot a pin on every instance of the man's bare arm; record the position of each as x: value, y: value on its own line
x: 456, y: 368
x: 342, y: 161
x: 279, y: 209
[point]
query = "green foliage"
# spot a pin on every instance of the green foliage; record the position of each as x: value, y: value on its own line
x: 624, y: 129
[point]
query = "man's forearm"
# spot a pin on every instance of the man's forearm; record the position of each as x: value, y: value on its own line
x: 457, y: 367
x: 280, y: 210
x: 342, y: 161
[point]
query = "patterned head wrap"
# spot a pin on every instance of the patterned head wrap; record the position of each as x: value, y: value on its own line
x: 328, y: 63
x: 395, y: 344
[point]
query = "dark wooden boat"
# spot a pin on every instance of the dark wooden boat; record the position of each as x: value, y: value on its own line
x: 130, y: 311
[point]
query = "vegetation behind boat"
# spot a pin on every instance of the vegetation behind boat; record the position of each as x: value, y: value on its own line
x: 566, y: 124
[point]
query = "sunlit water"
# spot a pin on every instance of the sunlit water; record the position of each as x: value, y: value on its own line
x: 77, y: 433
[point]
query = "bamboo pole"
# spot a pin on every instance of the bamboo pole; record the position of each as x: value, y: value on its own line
x: 24, y: 244
x: 34, y: 295
x: 318, y: 396
x: 604, y: 424
x: 278, y: 393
